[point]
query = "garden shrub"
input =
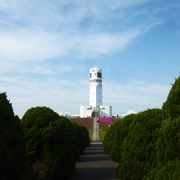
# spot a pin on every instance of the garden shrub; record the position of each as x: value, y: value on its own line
x: 123, y: 127
x: 138, y: 150
x: 53, y: 143
x: 172, y: 104
x: 13, y: 164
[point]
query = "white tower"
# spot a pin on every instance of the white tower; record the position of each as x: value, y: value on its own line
x: 95, y: 98
x: 95, y: 107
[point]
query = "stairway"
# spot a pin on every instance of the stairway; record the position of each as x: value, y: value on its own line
x: 95, y: 164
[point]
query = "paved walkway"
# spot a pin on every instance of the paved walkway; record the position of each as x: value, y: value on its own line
x: 95, y: 165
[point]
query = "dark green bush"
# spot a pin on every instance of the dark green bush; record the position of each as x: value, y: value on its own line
x: 169, y: 171
x: 172, y: 104
x: 168, y: 143
x: 138, y: 150
x: 60, y: 150
x: 34, y: 123
x: 147, y: 145
x: 109, y: 137
x: 83, y: 137
x: 53, y: 143
x: 123, y: 127
x: 12, y: 147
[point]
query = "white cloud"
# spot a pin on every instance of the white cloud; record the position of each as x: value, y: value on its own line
x: 36, y: 45
x: 67, y: 96
x: 77, y: 7
x: 34, y: 32
x: 61, y: 95
x: 135, y: 94
x: 116, y: 4
x: 92, y: 46
x: 40, y: 30
x: 41, y: 68
x: 30, y: 44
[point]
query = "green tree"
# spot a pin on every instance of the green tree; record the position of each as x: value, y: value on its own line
x: 109, y: 137
x: 53, y: 143
x: 123, y: 127
x: 172, y: 104
x: 12, y: 147
x: 34, y: 122
x: 83, y: 137
x: 168, y: 171
x: 138, y: 154
x: 168, y: 148
x: 168, y: 143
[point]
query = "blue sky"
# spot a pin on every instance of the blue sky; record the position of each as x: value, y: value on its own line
x: 48, y: 46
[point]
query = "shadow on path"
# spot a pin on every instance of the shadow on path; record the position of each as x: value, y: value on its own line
x: 95, y: 164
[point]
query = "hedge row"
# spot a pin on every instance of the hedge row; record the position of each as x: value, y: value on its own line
x: 43, y: 145
x: 13, y: 162
x: 147, y: 145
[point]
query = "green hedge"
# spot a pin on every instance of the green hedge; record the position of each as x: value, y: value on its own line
x: 147, y: 145
x: 138, y: 151
x: 172, y: 104
x: 108, y: 139
x: 122, y: 129
x: 168, y: 171
x: 13, y: 164
x: 115, y: 136
x: 168, y: 148
x: 53, y: 143
x: 43, y: 145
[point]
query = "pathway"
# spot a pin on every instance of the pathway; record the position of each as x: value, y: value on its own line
x: 95, y: 165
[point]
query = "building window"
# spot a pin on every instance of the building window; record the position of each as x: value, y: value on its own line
x: 96, y: 80
x: 90, y: 75
x: 99, y: 75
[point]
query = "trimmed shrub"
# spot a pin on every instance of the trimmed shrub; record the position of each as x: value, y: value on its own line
x: 138, y: 154
x: 168, y: 143
x: 172, y: 104
x: 83, y: 138
x: 147, y: 145
x: 53, y: 143
x: 123, y: 127
x: 109, y: 137
x: 34, y: 123
x: 169, y: 171
x: 60, y: 150
x: 12, y: 147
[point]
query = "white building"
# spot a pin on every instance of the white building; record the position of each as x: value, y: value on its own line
x: 95, y: 97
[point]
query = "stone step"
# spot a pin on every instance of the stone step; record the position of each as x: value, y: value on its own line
x: 94, y: 164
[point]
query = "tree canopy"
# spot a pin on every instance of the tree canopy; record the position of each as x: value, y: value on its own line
x: 53, y: 142
x: 172, y: 104
x: 13, y: 164
x: 147, y: 145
